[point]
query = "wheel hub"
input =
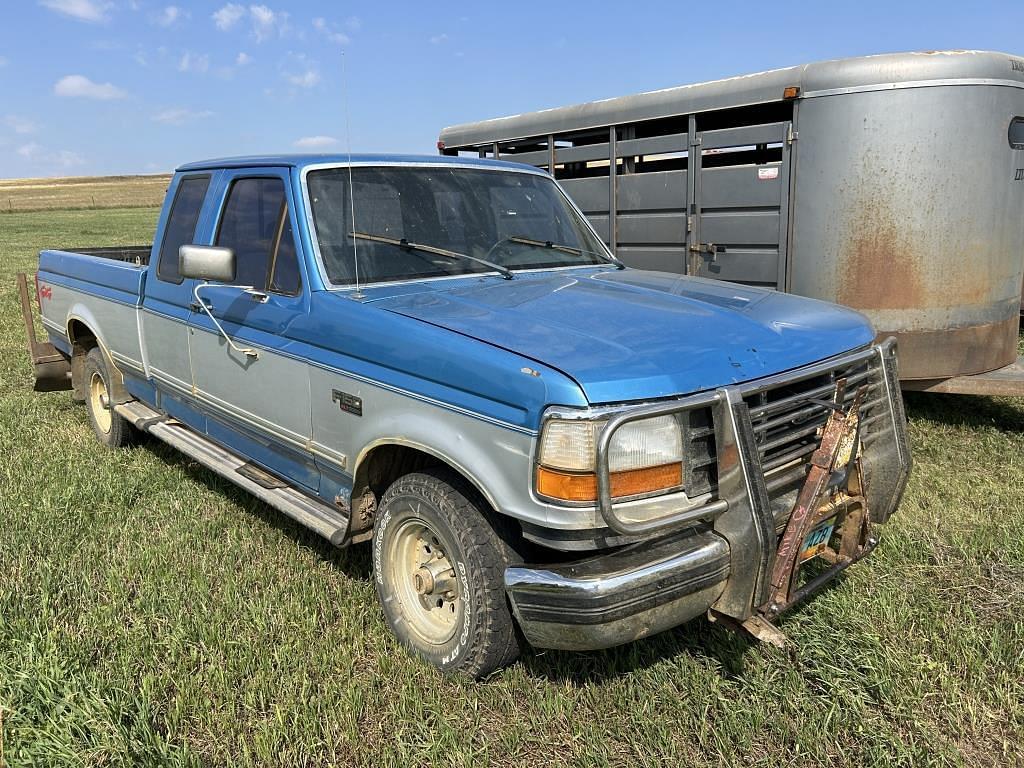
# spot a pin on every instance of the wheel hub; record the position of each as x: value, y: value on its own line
x: 423, y: 579
x: 99, y: 402
x: 424, y: 582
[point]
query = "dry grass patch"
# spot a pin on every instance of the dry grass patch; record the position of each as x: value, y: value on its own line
x: 82, y: 192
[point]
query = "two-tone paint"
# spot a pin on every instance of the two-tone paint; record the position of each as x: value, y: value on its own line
x: 459, y: 368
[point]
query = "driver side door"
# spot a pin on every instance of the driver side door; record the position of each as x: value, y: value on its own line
x: 258, y: 404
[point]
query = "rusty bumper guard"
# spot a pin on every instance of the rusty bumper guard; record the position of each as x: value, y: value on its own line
x: 641, y: 589
x: 51, y: 369
x: 831, y: 498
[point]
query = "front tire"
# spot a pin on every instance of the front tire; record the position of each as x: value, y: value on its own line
x: 110, y: 428
x: 439, y: 566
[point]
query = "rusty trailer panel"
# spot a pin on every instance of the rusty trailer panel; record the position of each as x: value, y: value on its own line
x: 893, y: 184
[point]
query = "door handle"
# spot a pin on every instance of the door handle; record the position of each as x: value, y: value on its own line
x: 195, y: 306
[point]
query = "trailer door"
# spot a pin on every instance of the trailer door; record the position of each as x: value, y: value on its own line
x: 739, y: 217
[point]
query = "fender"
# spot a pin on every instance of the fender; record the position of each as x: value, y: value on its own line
x: 404, y: 442
x: 474, y: 449
x: 116, y: 390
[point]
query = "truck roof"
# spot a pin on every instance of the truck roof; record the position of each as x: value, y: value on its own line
x: 302, y: 160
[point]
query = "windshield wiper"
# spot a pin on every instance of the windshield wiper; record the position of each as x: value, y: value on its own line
x: 555, y: 247
x: 401, y: 242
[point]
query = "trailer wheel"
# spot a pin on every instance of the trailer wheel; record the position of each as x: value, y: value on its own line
x: 439, y: 567
x: 111, y: 429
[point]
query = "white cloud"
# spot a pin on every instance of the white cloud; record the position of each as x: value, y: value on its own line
x: 438, y: 39
x: 79, y: 86
x: 354, y: 23
x: 180, y: 115
x: 264, y: 22
x: 83, y: 10
x: 330, y: 31
x: 39, y: 154
x: 306, y: 79
x: 242, y: 59
x: 228, y: 16
x: 170, y: 16
x: 19, y: 124
x: 315, y: 142
x: 193, y: 62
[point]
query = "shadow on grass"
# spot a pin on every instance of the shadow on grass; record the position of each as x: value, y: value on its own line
x: 705, y: 642
x: 969, y: 411
x: 353, y: 561
x: 701, y: 640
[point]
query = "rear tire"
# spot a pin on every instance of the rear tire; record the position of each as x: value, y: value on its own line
x: 439, y: 565
x: 111, y: 429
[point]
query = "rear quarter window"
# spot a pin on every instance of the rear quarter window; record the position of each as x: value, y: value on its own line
x: 181, y: 224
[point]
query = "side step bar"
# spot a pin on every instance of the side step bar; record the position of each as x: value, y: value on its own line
x: 331, y: 523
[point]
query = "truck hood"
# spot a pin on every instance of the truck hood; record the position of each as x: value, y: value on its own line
x: 635, y: 335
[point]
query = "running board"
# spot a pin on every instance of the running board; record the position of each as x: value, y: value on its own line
x: 331, y: 523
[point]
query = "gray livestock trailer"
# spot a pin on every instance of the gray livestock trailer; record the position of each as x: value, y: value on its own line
x: 893, y: 184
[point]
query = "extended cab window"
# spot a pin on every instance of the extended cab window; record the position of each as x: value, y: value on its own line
x: 181, y: 225
x: 257, y: 227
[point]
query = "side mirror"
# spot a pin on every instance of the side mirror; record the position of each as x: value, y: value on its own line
x: 207, y: 262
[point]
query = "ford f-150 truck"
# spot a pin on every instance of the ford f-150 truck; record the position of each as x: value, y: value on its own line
x: 440, y: 356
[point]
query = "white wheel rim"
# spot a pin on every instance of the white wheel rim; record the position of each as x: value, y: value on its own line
x: 422, y: 578
x: 98, y: 403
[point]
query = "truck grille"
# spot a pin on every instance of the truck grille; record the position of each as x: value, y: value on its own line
x: 786, y: 421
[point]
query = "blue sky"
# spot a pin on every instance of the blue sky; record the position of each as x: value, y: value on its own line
x: 135, y: 86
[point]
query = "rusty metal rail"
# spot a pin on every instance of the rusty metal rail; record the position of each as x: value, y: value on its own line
x: 1007, y: 381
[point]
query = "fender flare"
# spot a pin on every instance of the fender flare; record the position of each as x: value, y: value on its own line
x: 117, y: 392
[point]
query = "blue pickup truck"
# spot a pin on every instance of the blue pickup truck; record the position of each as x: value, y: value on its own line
x: 440, y: 356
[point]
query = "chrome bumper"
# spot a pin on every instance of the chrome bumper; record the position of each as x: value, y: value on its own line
x: 621, y: 596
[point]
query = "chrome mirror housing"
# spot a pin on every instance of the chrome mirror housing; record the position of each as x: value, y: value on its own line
x: 207, y: 262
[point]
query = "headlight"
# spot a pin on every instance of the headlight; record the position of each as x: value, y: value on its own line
x: 644, y: 457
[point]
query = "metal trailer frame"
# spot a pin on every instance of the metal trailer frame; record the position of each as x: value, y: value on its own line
x: 893, y: 184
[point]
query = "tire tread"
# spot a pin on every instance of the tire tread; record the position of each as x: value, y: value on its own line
x: 484, y: 537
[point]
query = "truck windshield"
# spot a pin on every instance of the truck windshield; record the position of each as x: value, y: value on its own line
x: 492, y: 219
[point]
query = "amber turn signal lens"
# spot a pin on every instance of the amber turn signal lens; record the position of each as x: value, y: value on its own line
x: 583, y: 487
x: 790, y: 91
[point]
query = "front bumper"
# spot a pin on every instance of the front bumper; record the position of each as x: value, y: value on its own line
x: 621, y: 596
x: 721, y: 556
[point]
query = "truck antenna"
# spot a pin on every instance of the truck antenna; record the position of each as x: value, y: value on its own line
x: 351, y: 194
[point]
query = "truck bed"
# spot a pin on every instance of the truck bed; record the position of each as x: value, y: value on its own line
x: 133, y: 254
x: 103, y: 285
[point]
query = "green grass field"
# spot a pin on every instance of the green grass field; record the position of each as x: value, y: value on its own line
x: 151, y: 614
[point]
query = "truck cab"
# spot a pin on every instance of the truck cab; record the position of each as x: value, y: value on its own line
x: 441, y: 357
